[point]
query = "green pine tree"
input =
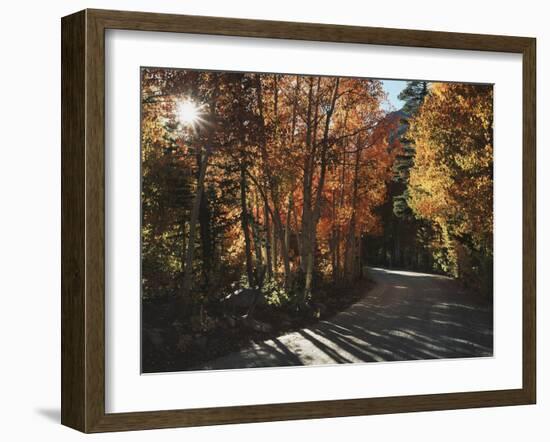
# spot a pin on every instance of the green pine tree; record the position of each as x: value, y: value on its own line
x: 413, y: 96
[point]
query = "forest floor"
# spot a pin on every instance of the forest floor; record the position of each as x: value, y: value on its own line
x: 406, y: 316
x: 167, y: 347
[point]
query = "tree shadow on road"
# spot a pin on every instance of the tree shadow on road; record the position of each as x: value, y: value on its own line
x: 373, y: 333
x: 429, y: 318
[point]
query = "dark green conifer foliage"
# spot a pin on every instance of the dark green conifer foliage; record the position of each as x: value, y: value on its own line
x: 413, y: 96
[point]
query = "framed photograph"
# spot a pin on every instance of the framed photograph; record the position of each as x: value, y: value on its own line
x: 267, y: 221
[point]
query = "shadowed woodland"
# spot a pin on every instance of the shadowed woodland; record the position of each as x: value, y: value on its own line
x: 265, y: 196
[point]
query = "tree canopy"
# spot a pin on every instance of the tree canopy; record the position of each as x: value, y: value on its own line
x: 291, y: 183
x: 276, y: 179
x: 451, y: 183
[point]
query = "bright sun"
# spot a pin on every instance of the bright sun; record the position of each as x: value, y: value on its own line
x: 188, y: 112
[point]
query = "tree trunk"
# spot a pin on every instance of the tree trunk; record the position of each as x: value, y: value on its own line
x: 272, y: 186
x: 307, y: 258
x: 284, y: 250
x: 188, y: 270
x: 257, y: 244
x: 314, y: 212
x: 334, y: 240
x: 206, y: 236
x: 288, y: 221
x: 351, y: 270
x: 184, y: 246
x: 274, y: 249
x: 360, y: 258
x: 268, y: 257
x: 245, y: 228
x: 203, y: 165
x: 339, y: 266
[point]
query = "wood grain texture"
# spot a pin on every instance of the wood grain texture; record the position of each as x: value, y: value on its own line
x: 73, y: 349
x: 529, y: 219
x: 95, y: 222
x: 83, y: 218
x: 143, y: 21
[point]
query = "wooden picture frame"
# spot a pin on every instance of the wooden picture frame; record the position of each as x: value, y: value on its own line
x: 83, y: 218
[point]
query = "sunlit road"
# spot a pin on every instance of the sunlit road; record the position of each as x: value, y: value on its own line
x: 405, y: 316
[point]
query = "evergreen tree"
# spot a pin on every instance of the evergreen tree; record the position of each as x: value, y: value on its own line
x: 413, y: 95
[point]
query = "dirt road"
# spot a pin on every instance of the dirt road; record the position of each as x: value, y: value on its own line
x: 406, y: 316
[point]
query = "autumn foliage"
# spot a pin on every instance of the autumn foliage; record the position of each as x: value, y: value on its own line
x: 281, y: 190
x: 287, y: 183
x: 273, y: 182
x: 451, y: 183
